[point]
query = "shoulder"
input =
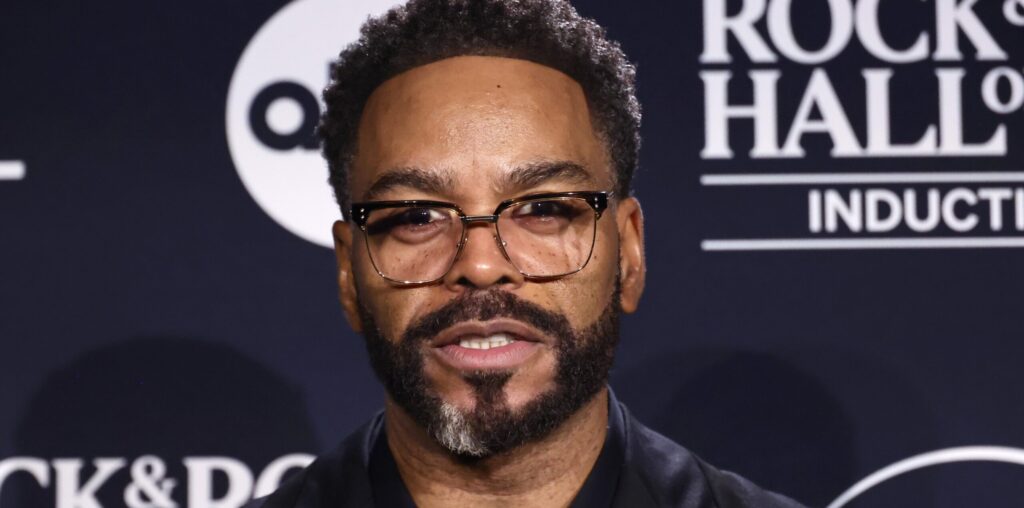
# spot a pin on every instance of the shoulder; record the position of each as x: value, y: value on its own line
x: 338, y: 478
x: 673, y: 476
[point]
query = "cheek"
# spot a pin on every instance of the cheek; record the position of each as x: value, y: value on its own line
x: 390, y: 307
x: 605, y: 261
x: 583, y: 296
x: 606, y: 268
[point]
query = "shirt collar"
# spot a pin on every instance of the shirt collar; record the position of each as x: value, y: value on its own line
x: 598, y: 489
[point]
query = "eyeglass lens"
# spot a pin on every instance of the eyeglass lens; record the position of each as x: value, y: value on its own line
x: 542, y: 238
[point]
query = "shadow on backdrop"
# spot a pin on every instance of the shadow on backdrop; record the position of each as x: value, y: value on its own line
x: 764, y: 417
x: 169, y: 397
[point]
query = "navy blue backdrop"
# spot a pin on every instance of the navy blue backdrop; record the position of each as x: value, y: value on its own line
x: 835, y: 217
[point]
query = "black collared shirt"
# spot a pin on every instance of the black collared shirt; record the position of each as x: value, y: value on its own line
x: 637, y: 468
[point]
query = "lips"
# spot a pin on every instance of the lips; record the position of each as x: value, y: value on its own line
x: 480, y: 329
x: 496, y: 344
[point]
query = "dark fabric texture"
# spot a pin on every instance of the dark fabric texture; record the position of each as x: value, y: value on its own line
x: 637, y: 468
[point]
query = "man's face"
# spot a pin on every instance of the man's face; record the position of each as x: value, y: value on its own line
x: 476, y: 131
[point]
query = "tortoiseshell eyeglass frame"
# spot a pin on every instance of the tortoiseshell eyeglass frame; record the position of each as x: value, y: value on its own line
x: 597, y: 200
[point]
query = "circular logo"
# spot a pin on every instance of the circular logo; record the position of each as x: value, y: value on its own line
x: 1003, y: 454
x: 274, y: 104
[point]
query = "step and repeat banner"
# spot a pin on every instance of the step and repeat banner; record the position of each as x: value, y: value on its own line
x: 834, y: 196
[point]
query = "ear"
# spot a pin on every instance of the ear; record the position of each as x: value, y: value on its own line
x: 347, y: 293
x: 632, y: 265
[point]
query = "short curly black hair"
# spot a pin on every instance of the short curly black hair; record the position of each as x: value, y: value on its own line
x: 547, y: 32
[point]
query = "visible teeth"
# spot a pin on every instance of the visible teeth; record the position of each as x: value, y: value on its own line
x: 496, y: 340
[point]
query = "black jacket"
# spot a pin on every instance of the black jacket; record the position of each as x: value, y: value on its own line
x: 655, y: 471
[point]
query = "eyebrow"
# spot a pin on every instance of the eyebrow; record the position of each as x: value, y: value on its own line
x: 433, y: 182
x: 534, y: 174
x: 523, y: 177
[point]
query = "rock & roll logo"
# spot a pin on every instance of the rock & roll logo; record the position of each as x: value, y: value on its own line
x: 210, y: 482
x: 967, y: 95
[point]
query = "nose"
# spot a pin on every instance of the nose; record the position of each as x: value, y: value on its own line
x: 482, y: 263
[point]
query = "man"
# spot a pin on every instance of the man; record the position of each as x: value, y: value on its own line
x: 484, y: 150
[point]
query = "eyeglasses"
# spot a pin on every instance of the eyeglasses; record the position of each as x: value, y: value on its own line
x: 542, y: 235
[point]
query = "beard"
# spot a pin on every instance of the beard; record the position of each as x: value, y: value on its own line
x: 583, y: 359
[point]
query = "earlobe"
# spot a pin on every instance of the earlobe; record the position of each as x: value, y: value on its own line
x: 347, y: 292
x: 632, y: 265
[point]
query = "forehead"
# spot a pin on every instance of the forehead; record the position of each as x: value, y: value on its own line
x: 474, y: 120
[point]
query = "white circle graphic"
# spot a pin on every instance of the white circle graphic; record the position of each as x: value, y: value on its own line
x: 285, y: 115
x: 273, y: 104
x: 945, y: 456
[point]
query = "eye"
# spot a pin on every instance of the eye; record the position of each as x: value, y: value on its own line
x: 409, y: 224
x: 545, y: 217
x: 419, y: 217
x: 551, y: 209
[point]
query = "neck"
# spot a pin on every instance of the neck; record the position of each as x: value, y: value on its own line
x: 548, y: 472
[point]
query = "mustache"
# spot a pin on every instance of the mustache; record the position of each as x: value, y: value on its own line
x: 483, y: 306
